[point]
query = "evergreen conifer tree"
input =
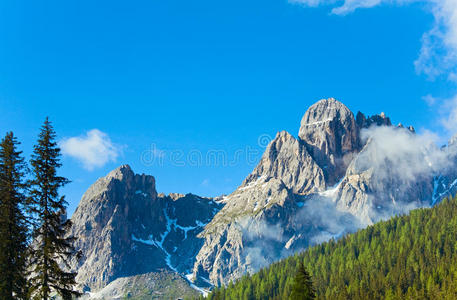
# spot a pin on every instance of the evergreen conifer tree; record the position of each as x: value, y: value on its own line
x: 13, y: 222
x: 302, y: 289
x: 52, y: 249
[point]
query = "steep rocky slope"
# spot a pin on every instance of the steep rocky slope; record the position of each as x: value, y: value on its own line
x: 331, y: 135
x: 125, y: 228
x: 340, y: 174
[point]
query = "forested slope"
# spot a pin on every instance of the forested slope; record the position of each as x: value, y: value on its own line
x: 412, y: 256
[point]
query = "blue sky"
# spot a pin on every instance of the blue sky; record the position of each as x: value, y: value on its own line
x: 189, y: 77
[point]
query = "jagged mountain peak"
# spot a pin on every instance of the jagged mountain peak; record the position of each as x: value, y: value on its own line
x: 331, y: 136
x: 325, y: 110
x: 125, y: 182
x: 124, y: 228
x: 307, y: 190
x: 287, y: 159
x: 378, y: 120
x: 120, y: 172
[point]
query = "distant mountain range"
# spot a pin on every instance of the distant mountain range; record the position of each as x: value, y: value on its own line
x: 340, y: 174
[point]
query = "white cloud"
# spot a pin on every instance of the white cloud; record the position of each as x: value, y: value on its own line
x: 351, y: 5
x: 445, y: 114
x: 312, y: 3
x: 429, y: 99
x: 438, y: 54
x: 341, y: 7
x: 448, y: 112
x: 205, y: 182
x: 94, y: 149
x: 410, y: 156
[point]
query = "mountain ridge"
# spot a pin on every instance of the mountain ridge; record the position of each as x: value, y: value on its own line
x: 340, y: 174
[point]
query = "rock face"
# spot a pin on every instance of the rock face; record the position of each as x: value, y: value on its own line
x: 271, y: 196
x: 341, y: 173
x: 124, y: 228
x: 329, y: 181
x: 108, y: 214
x: 265, y: 206
x: 378, y: 120
x: 288, y: 159
x: 331, y: 135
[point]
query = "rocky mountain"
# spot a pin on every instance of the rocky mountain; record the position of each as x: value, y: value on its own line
x: 330, y: 134
x: 125, y: 228
x: 340, y: 174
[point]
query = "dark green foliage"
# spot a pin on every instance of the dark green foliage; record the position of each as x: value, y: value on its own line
x: 13, y: 223
x: 407, y: 257
x: 51, y: 248
x: 302, y: 289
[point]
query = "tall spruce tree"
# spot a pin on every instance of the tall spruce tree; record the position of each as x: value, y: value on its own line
x: 13, y: 222
x: 52, y: 249
x: 302, y: 288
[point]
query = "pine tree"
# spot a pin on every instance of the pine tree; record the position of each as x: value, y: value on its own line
x: 302, y: 288
x: 13, y: 223
x: 52, y: 249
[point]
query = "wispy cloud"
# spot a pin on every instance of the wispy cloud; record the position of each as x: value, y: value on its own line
x: 445, y: 113
x: 429, y: 99
x: 448, y: 113
x: 410, y: 156
x: 438, y: 54
x: 93, y: 149
x: 343, y: 7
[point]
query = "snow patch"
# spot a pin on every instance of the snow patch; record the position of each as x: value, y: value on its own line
x: 318, y: 122
x: 149, y: 242
x: 199, y: 289
x: 438, y: 196
x: 332, y: 191
x: 202, y: 291
x: 253, y: 183
x: 189, y: 276
x: 200, y: 224
x: 140, y: 192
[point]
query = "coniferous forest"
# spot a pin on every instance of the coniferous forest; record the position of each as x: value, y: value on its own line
x: 407, y: 257
x: 34, y: 244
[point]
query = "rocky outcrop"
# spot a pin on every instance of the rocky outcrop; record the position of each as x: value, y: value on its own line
x: 288, y: 160
x: 331, y: 135
x: 108, y: 214
x: 124, y: 228
x: 377, y: 120
x: 252, y: 211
